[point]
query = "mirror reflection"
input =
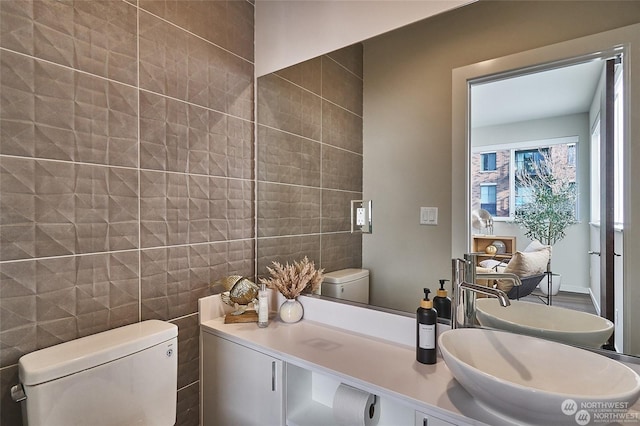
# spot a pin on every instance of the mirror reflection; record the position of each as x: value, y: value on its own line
x: 373, y: 122
x: 535, y: 175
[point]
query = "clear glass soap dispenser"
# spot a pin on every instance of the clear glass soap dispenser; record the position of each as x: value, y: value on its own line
x: 263, y: 307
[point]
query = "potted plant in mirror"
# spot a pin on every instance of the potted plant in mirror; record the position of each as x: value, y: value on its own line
x: 550, y: 206
x: 291, y: 281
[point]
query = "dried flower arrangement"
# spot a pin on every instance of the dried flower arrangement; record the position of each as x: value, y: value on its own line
x: 291, y: 280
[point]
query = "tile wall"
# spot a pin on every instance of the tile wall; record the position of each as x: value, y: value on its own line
x: 309, y: 155
x: 126, y: 170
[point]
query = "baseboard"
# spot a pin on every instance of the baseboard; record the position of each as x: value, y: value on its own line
x: 596, y: 301
x: 574, y: 289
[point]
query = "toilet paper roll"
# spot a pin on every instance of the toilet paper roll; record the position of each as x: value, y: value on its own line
x: 354, y: 407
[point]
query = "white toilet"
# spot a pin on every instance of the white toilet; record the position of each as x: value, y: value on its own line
x: 349, y: 284
x: 124, y: 376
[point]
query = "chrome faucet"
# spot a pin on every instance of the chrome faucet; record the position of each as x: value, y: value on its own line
x: 465, y: 289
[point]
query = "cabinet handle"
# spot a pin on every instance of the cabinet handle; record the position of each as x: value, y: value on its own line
x: 273, y: 376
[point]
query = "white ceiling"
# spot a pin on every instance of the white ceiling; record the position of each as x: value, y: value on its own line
x: 561, y: 91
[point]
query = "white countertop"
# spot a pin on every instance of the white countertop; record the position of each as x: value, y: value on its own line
x: 373, y: 364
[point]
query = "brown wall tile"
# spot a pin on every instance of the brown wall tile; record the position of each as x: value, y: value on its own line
x: 336, y: 210
x: 287, y: 210
x: 86, y: 203
x: 341, y: 169
x: 309, y: 116
x: 285, y: 106
x: 98, y: 37
x: 287, y: 249
x: 287, y: 158
x: 341, y: 86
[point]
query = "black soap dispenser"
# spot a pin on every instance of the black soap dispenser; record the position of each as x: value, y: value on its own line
x: 442, y: 303
x: 426, y: 330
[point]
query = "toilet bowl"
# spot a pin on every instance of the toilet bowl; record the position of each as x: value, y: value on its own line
x: 124, y: 376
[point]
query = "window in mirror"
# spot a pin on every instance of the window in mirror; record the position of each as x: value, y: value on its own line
x: 488, y: 161
x: 501, y: 191
x: 488, y: 197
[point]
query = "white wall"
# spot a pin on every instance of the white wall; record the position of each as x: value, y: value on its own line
x: 291, y: 31
x: 570, y: 257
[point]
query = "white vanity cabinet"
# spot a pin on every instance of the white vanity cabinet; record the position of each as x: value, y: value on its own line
x: 423, y: 419
x: 240, y: 385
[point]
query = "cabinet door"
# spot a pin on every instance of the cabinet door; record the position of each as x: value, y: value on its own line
x: 240, y: 386
x: 423, y: 419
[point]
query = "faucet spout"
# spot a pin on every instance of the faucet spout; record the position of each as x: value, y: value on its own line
x: 489, y: 291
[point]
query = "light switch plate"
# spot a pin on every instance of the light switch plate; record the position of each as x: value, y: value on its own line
x: 428, y: 215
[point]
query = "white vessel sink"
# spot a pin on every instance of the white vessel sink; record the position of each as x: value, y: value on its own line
x: 529, y: 380
x: 548, y: 322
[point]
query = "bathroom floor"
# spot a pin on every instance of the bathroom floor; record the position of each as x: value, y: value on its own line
x: 564, y: 299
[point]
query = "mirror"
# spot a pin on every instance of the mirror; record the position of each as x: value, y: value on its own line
x: 543, y: 127
x: 408, y: 157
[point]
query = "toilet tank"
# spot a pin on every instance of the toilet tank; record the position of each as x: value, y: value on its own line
x: 349, y: 284
x: 124, y: 376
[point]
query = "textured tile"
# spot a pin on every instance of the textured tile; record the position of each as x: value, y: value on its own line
x: 52, y: 112
x: 91, y: 202
x: 188, y: 349
x: 198, y: 192
x: 181, y: 137
x: 350, y: 57
x: 341, y: 128
x: 306, y: 74
x: 164, y: 208
x: 287, y: 210
x: 236, y: 136
x: 177, y: 209
x: 341, y: 251
x: 285, y: 106
x: 55, y: 208
x: 234, y: 28
x: 287, y: 249
x: 105, y: 122
x: 230, y: 258
x: 107, y: 291
x: 105, y: 39
x: 16, y: 26
x: 98, y: 37
x: 164, y: 133
x: 188, y: 410
x: 153, y: 209
x: 240, y: 209
x: 286, y: 158
x: 163, y: 57
x: 165, y: 284
x: 341, y: 87
x: 123, y: 209
x: 17, y: 102
x: 17, y: 310
x: 336, y: 210
x: 201, y: 73
x: 341, y: 169
x: 17, y: 208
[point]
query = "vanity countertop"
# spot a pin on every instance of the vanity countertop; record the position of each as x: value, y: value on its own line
x: 377, y: 365
x: 348, y: 344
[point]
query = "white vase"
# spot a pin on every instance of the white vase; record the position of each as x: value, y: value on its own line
x: 291, y: 311
x: 556, y: 280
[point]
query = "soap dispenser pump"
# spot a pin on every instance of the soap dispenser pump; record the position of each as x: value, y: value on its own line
x: 442, y: 303
x: 426, y: 330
